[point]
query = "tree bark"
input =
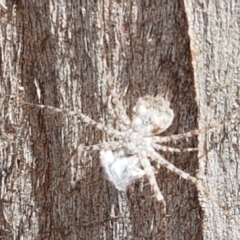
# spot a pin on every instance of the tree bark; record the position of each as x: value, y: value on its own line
x: 68, y: 55
x: 214, y: 33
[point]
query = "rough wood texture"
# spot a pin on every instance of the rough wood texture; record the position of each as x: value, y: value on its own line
x: 214, y: 33
x: 65, y: 55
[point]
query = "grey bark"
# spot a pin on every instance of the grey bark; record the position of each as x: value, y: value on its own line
x: 65, y: 54
x: 214, y: 33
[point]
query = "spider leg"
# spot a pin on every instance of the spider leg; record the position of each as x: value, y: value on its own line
x: 148, y: 169
x: 91, y: 148
x: 82, y: 116
x: 154, y: 155
x: 192, y: 133
x: 98, y: 147
x: 163, y: 162
x: 170, y: 149
x: 150, y: 175
x: 119, y: 109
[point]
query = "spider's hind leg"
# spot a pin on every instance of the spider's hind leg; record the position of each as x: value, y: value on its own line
x: 163, y: 162
x: 149, y: 172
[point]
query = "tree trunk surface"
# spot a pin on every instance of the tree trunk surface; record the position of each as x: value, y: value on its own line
x: 214, y: 31
x: 69, y: 54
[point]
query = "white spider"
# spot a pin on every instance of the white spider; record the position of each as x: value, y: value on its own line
x: 136, y: 142
x: 129, y: 156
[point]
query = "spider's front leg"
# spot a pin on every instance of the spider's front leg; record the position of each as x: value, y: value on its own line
x: 84, y: 118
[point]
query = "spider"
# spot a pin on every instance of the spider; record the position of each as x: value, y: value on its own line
x: 136, y: 143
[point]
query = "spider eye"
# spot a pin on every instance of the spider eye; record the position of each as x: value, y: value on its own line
x: 136, y: 122
x: 141, y: 110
